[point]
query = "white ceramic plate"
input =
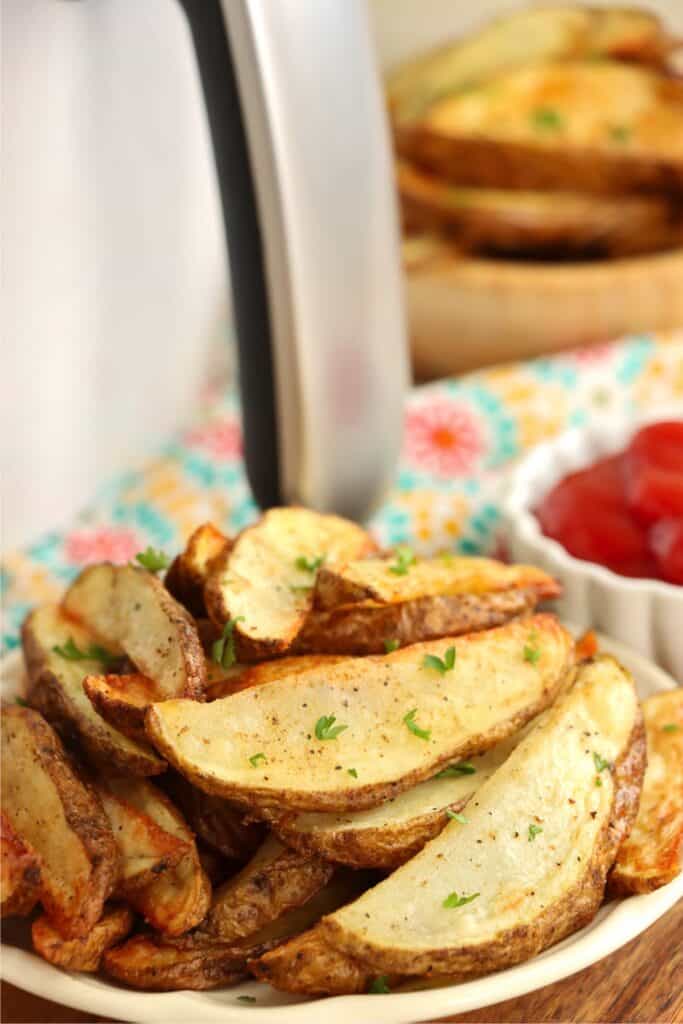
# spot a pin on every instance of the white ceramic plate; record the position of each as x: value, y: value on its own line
x: 615, y: 924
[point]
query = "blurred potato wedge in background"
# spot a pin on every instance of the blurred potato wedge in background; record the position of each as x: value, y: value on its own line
x: 84, y: 953
x: 19, y: 873
x: 61, y: 818
x: 56, y: 652
x: 189, y: 571
x: 653, y: 853
x: 261, y: 589
x: 372, y: 727
x: 131, y: 611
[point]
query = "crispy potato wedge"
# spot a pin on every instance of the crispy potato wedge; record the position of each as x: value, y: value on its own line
x: 533, y: 858
x: 652, y: 855
x: 189, y: 571
x: 19, y: 873
x: 262, y: 584
x: 179, y: 899
x: 130, y: 610
x: 375, y: 579
x: 86, y: 952
x: 274, y: 881
x: 122, y: 701
x: 266, y: 672
x: 538, y: 223
x: 200, y: 961
x: 389, y: 835
x: 309, y: 965
x: 367, y: 627
x: 145, y: 849
x: 525, y: 36
x: 56, y: 689
x: 597, y: 126
x: 60, y: 817
x: 400, y: 718
x: 220, y: 824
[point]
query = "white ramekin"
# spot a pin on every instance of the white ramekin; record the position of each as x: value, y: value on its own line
x: 645, y: 614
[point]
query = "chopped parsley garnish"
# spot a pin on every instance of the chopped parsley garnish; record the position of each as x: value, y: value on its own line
x: 223, y: 649
x: 453, y: 900
x: 409, y: 720
x: 352, y: 772
x: 325, y: 729
x: 246, y: 999
x: 305, y: 589
x: 255, y: 758
x: 153, y: 560
x: 455, y: 816
x: 391, y: 645
x: 461, y: 768
x: 598, y: 780
x: 440, y: 665
x: 671, y: 727
x: 620, y: 132
x: 532, y: 652
x: 379, y: 987
x: 309, y: 564
x: 94, y: 652
x: 599, y: 762
x: 547, y: 119
x: 405, y: 557
x: 21, y: 702
x: 534, y: 830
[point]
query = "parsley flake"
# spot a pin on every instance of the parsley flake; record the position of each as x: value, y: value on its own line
x: 453, y: 900
x: 391, y: 645
x: 455, y: 816
x: 255, y: 758
x: 309, y: 564
x: 246, y: 999
x: 599, y: 762
x: 223, y: 649
x: 598, y: 780
x: 409, y: 720
x: 546, y: 119
x: 534, y: 830
x: 152, y: 559
x: 440, y: 665
x: 353, y: 772
x: 379, y: 987
x: 21, y: 702
x: 671, y: 727
x: 325, y: 729
x: 461, y: 768
x: 405, y: 557
x: 619, y: 132
x: 72, y: 652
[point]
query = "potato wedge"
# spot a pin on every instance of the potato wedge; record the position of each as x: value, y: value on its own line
x: 389, y: 835
x: 308, y: 965
x: 62, y: 819
x: 369, y: 627
x: 122, y: 701
x: 56, y: 689
x: 538, y: 223
x: 597, y: 126
x: 274, y: 881
x: 179, y: 899
x: 398, y: 720
x: 218, y: 823
x: 189, y: 571
x: 130, y: 610
x: 200, y: 961
x: 85, y: 953
x: 263, y: 585
x: 653, y: 853
x: 145, y: 849
x: 266, y: 672
x: 530, y: 865
x: 523, y: 37
x: 19, y: 873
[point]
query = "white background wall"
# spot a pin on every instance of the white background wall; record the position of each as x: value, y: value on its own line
x: 114, y: 282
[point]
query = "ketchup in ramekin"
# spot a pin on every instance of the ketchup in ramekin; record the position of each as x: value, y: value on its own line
x: 626, y: 511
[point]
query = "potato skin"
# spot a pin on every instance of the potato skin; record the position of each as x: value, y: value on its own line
x: 308, y: 965
x: 220, y: 824
x: 188, y: 573
x: 109, y: 695
x: 19, y: 873
x: 152, y: 964
x: 85, y: 953
x: 362, y: 628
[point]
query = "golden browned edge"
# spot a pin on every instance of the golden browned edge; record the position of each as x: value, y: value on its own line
x: 263, y: 800
x: 84, y: 816
x: 308, y: 965
x: 245, y: 904
x: 575, y: 910
x: 85, y: 953
x: 184, y: 579
x: 387, y: 847
x: 20, y: 874
x: 361, y: 628
x: 121, y: 713
x: 473, y: 160
x: 221, y: 825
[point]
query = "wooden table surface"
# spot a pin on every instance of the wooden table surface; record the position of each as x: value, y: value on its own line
x: 641, y: 983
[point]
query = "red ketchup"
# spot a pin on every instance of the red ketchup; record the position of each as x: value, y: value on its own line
x: 626, y: 511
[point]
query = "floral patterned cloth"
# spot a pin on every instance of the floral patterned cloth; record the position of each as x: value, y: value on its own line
x: 460, y: 438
